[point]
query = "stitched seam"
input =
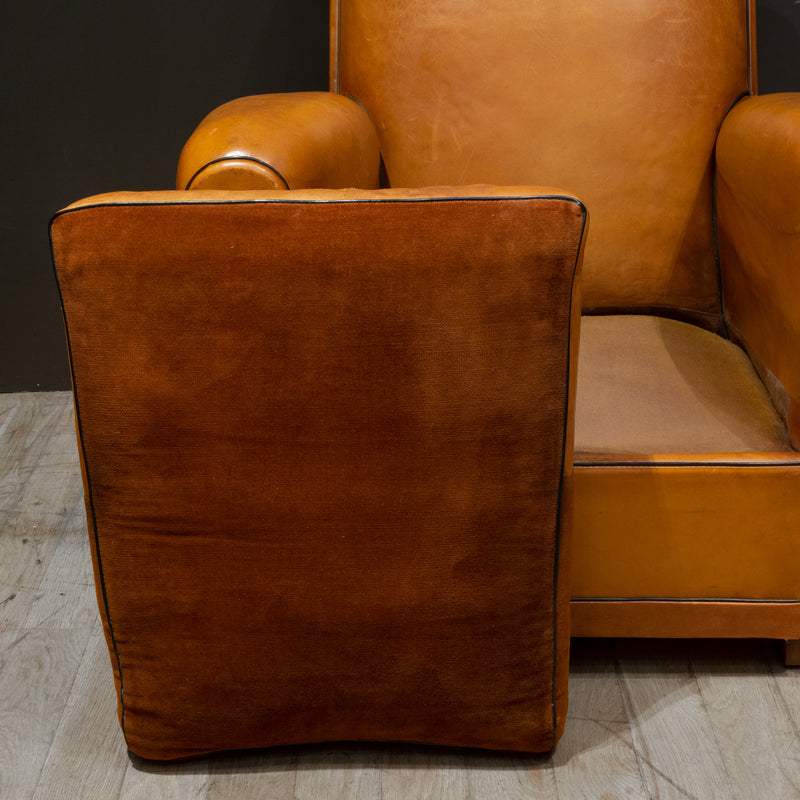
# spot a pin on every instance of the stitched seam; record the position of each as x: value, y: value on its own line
x: 736, y: 600
x: 750, y: 47
x: 743, y: 465
x: 338, y: 68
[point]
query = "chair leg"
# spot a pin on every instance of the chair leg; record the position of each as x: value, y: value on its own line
x: 791, y: 652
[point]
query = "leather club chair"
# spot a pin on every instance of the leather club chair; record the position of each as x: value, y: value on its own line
x: 687, y: 477
x: 686, y: 481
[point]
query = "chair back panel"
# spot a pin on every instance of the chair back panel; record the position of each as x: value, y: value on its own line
x: 618, y: 102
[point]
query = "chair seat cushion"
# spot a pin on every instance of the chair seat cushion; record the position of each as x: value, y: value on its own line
x: 648, y: 385
x: 685, y: 483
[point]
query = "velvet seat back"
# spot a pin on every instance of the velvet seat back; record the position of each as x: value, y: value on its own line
x: 618, y: 102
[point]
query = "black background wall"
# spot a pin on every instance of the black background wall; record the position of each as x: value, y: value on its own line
x: 98, y: 96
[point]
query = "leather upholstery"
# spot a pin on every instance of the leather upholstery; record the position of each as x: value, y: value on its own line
x: 561, y: 92
x: 327, y: 487
x: 648, y: 385
x: 687, y: 483
x: 688, y: 619
x: 759, y: 226
x: 286, y: 141
x: 434, y: 79
x: 671, y: 528
x: 686, y: 488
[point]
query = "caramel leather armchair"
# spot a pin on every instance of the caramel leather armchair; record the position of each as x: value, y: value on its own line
x: 687, y: 475
x: 327, y: 433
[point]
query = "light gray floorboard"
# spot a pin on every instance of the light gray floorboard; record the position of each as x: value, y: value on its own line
x: 678, y: 752
x: 37, y: 672
x: 596, y: 757
x: 757, y: 740
x: 87, y: 758
x: 647, y: 719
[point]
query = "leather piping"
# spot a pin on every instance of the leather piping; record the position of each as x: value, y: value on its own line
x: 270, y: 201
x: 238, y: 158
x: 789, y: 462
x: 752, y: 55
x: 681, y: 600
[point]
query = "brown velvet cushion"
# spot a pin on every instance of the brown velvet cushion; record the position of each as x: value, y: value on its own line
x: 327, y: 457
x: 648, y: 385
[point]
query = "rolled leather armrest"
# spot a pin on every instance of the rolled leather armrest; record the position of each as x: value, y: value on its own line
x: 283, y: 141
x: 758, y: 216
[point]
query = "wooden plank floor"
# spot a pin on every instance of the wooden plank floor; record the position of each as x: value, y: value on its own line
x: 647, y: 719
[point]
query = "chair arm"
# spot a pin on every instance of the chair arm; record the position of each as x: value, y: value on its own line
x: 758, y: 217
x: 281, y: 395
x: 280, y: 141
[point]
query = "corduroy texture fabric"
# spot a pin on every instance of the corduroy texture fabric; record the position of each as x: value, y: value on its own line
x: 327, y: 452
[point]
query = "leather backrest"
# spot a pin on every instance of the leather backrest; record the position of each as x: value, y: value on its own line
x: 618, y: 102
x: 344, y: 457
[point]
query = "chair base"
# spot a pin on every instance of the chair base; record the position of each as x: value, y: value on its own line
x: 791, y: 652
x: 690, y: 619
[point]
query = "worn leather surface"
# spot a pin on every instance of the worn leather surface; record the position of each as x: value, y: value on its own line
x: 686, y: 485
x: 620, y: 103
x: 758, y: 201
x: 687, y: 619
x: 282, y: 141
x: 648, y: 385
x: 326, y: 485
x: 680, y: 528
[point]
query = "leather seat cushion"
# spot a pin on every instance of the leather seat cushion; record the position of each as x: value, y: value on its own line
x: 648, y: 385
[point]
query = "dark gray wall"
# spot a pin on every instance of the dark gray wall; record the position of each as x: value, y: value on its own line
x: 98, y: 96
x: 778, y: 29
